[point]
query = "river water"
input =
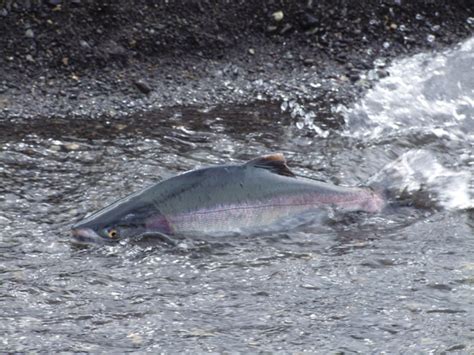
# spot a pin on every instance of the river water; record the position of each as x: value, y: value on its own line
x: 400, y: 281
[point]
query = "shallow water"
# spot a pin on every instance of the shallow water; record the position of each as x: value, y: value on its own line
x: 399, y: 281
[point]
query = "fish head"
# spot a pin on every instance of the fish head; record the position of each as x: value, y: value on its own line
x: 119, y: 221
x: 106, y: 234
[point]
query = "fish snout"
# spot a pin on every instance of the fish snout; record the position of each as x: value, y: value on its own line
x: 86, y: 235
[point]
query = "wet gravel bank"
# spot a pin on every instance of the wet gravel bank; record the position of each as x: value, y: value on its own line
x: 115, y: 58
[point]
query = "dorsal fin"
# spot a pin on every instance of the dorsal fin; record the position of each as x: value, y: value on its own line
x: 276, y: 163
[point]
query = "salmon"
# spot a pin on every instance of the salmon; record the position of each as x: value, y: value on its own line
x: 222, y: 200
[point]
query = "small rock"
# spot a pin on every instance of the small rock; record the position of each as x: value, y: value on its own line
x: 113, y: 48
x: 343, y: 78
x: 84, y: 44
x: 278, y: 16
x: 341, y: 58
x: 65, y: 61
x: 455, y: 348
x: 3, y: 12
x: 308, y: 61
x: 71, y: 146
x: 287, y: 28
x: 251, y: 51
x: 308, y: 21
x: 135, y: 338
x: 143, y: 86
x: 271, y: 29
x: 353, y: 77
x: 29, y: 33
x: 382, y: 73
x: 29, y: 58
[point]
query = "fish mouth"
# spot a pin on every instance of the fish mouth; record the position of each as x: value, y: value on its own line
x: 87, y: 236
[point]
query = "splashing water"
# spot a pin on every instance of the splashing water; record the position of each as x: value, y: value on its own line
x: 425, y: 93
x: 419, y: 170
x: 425, y: 112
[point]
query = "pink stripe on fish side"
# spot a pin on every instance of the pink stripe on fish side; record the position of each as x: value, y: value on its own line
x: 251, y: 214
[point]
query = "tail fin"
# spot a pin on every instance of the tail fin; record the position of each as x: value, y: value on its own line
x: 418, y: 179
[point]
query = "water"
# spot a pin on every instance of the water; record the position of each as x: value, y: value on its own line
x: 399, y: 281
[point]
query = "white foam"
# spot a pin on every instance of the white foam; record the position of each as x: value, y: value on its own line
x: 426, y: 92
x: 419, y: 170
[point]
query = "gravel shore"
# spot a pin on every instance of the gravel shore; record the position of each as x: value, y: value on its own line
x: 92, y: 59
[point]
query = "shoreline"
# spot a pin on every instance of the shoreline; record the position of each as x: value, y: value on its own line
x: 122, y: 59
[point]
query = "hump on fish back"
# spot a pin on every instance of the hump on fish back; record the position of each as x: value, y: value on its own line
x: 276, y: 163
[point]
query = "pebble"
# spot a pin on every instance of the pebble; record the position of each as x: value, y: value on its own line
x: 308, y: 21
x: 456, y: 347
x: 135, y: 338
x: 251, y: 51
x: 113, y: 48
x: 308, y: 61
x: 29, y: 33
x: 353, y: 77
x: 272, y: 28
x: 29, y: 58
x: 278, y: 16
x: 84, y: 44
x: 343, y: 78
x: 287, y: 28
x: 71, y: 146
x: 382, y: 73
x: 143, y: 86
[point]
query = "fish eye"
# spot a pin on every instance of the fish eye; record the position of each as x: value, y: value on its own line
x: 112, y: 233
